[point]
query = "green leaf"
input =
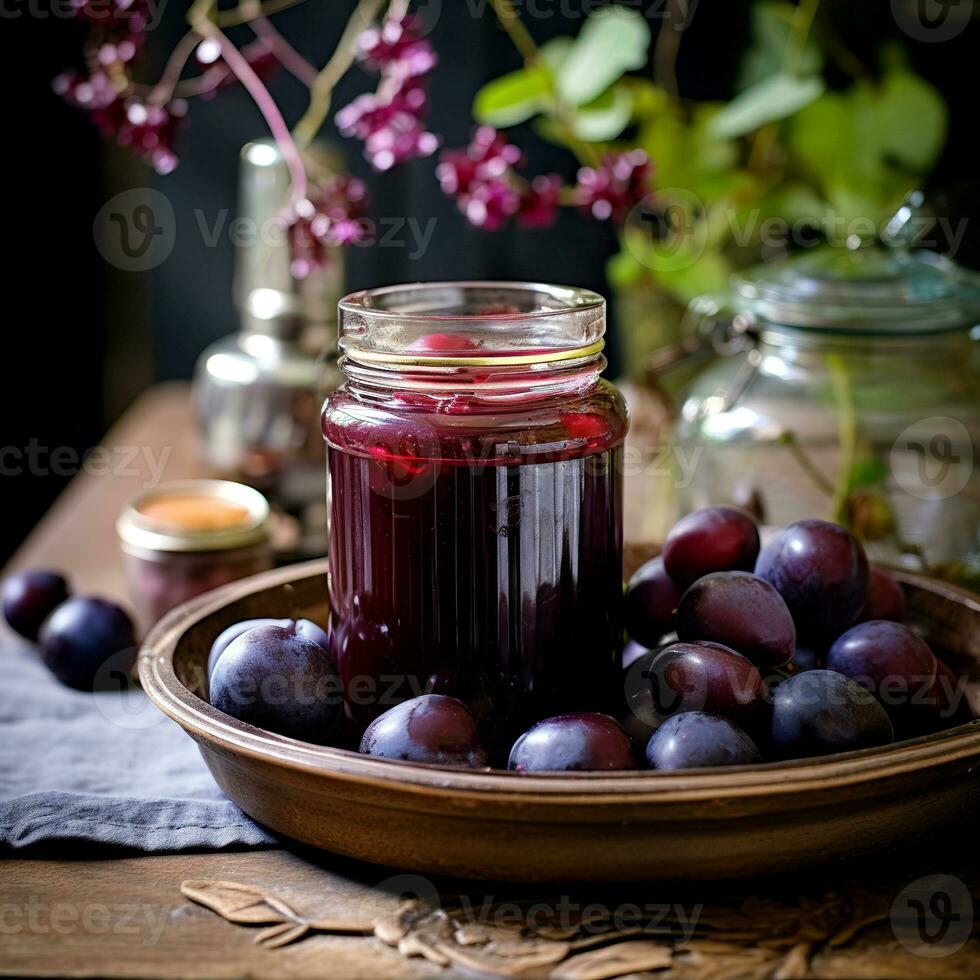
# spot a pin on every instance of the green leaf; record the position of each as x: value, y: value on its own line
x: 554, y: 52
x: 649, y: 99
x: 612, y: 41
x: 767, y: 101
x: 866, y: 472
x: 709, y: 273
x: 624, y: 269
x: 771, y: 24
x: 866, y: 148
x: 685, y: 153
x: 514, y: 97
x: 603, y: 118
x: 911, y: 120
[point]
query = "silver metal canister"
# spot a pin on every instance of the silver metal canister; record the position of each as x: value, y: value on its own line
x: 258, y: 392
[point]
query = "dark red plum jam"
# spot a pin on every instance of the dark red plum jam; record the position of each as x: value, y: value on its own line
x: 475, y: 500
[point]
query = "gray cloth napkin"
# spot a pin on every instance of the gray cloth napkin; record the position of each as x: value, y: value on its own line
x: 105, y: 768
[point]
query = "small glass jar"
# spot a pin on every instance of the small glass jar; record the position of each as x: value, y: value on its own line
x: 183, y: 539
x: 854, y: 395
x: 475, y: 501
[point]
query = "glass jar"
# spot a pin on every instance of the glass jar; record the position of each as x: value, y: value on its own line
x: 182, y: 539
x: 854, y: 395
x: 475, y: 502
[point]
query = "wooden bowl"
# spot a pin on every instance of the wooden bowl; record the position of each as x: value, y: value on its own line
x: 721, y: 823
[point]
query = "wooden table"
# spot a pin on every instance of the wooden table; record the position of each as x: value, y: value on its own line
x: 67, y: 912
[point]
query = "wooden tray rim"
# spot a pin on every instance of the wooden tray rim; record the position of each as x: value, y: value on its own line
x: 204, y: 723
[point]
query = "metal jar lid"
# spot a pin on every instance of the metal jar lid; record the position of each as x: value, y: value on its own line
x: 874, y: 290
x: 138, y: 530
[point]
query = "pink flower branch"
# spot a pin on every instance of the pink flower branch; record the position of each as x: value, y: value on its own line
x: 200, y: 18
x: 163, y: 91
x: 285, y: 53
x: 343, y: 57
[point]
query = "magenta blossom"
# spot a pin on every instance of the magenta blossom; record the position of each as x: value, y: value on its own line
x: 124, y: 16
x: 482, y: 179
x: 396, y: 45
x: 391, y: 120
x: 539, y: 202
x: 143, y: 127
x: 148, y: 130
x: 610, y: 190
x: 333, y: 216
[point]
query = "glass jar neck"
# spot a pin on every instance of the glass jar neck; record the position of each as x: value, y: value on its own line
x: 495, y: 342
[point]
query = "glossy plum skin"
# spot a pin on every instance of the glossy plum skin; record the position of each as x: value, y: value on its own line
x: 81, y: 635
x: 697, y: 740
x: 650, y: 603
x: 632, y: 652
x: 741, y: 611
x: 274, y: 678
x: 890, y: 661
x: 707, y: 677
x: 29, y: 597
x: 820, y: 712
x: 585, y: 741
x: 714, y: 539
x: 432, y: 728
x: 821, y: 571
x: 302, y: 627
x: 806, y: 658
x: 886, y: 598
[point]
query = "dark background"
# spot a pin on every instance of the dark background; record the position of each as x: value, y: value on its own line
x: 84, y: 339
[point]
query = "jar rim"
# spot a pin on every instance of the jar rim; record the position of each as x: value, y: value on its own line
x: 571, y: 299
x: 471, y: 324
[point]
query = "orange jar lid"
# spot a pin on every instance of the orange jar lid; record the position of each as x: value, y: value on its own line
x: 195, y: 515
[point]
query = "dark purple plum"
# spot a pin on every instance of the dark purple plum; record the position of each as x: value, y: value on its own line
x: 81, y: 635
x: 820, y: 711
x: 890, y: 661
x: 302, y: 627
x: 586, y: 741
x: 650, y: 603
x: 821, y: 570
x: 432, y: 728
x: 697, y: 740
x: 886, y: 598
x: 29, y: 597
x: 710, y: 677
x: 741, y: 611
x: 641, y: 717
x: 275, y: 678
x: 443, y: 681
x: 631, y: 653
x: 714, y: 539
x: 806, y: 658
